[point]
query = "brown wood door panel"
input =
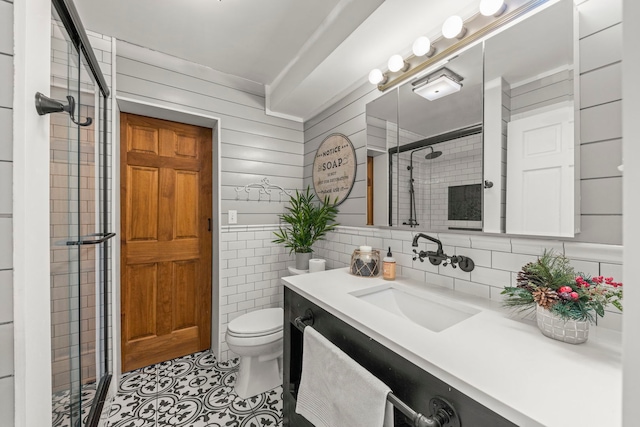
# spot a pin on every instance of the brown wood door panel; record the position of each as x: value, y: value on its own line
x: 142, y: 286
x: 144, y: 252
x: 166, y: 190
x: 165, y: 347
x: 142, y: 203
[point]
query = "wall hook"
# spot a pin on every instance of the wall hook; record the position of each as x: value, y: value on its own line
x: 46, y: 105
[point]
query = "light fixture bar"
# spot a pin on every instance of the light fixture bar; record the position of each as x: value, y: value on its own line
x: 469, y: 39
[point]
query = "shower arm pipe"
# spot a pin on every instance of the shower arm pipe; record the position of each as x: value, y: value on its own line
x: 413, y: 214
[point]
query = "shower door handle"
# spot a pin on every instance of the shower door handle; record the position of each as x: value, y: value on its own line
x: 103, y: 237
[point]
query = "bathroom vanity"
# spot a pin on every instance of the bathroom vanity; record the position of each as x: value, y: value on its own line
x: 496, y: 370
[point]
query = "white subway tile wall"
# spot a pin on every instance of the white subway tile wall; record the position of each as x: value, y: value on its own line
x: 250, y: 270
x: 501, y: 263
x: 459, y: 164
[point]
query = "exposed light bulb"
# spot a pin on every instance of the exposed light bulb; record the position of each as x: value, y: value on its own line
x: 453, y: 27
x: 492, y: 7
x: 396, y: 63
x: 422, y: 46
x: 376, y: 76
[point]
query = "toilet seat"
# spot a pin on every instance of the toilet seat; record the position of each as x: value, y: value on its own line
x: 259, y: 323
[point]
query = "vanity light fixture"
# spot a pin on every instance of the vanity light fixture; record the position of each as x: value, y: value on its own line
x: 397, y: 63
x: 422, y: 46
x: 376, y: 77
x: 454, y: 27
x: 455, y: 36
x: 441, y: 83
x: 492, y: 7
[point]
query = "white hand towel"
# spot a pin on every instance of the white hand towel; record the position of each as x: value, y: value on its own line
x: 335, y: 391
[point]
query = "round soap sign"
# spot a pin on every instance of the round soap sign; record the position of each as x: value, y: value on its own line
x: 334, y: 168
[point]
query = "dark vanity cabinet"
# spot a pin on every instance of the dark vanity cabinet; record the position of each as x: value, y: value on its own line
x: 410, y: 383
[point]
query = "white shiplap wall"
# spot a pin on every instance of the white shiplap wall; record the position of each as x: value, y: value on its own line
x: 253, y: 146
x: 6, y: 213
x: 600, y: 111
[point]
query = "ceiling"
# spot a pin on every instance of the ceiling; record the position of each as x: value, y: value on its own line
x: 306, y: 53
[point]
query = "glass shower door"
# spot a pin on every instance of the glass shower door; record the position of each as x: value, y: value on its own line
x: 79, y: 267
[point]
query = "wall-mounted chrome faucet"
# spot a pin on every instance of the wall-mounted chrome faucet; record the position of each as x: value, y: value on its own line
x: 439, y: 257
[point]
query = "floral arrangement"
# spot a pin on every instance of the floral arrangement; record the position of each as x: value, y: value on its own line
x: 552, y: 283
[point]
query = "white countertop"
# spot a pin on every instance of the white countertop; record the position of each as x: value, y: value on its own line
x: 495, y: 358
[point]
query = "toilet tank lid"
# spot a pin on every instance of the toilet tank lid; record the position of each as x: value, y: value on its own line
x: 266, y: 320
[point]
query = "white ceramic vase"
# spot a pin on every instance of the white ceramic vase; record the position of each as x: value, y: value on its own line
x: 554, y: 326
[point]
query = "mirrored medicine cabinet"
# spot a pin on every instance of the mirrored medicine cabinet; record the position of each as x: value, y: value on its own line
x: 496, y: 155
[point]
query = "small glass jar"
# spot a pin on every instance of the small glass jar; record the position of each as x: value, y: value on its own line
x: 365, y: 262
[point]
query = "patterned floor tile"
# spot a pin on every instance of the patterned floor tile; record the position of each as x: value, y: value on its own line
x: 191, y: 391
x: 61, y: 405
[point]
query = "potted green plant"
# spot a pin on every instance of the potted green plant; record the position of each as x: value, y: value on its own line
x: 308, y: 221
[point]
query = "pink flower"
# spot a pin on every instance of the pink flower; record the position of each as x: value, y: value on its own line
x: 574, y: 295
x: 598, y: 279
x: 564, y: 289
x: 608, y: 280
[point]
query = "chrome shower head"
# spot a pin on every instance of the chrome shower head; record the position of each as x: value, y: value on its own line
x: 433, y: 154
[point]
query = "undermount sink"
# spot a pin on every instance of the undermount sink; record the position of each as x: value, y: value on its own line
x: 428, y: 311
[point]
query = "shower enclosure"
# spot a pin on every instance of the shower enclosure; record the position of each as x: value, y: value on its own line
x: 80, y: 210
x: 435, y: 181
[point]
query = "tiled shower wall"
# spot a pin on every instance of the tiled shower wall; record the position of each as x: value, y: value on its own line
x: 64, y: 215
x: 497, y: 259
x: 459, y: 164
x: 6, y: 212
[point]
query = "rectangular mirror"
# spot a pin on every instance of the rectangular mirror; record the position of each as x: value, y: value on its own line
x: 486, y: 141
x: 440, y: 147
x: 382, y: 136
x: 530, y: 136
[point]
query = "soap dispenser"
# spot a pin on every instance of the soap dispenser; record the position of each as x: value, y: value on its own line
x: 389, y: 266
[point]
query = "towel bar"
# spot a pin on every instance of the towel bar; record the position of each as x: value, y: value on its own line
x: 443, y: 413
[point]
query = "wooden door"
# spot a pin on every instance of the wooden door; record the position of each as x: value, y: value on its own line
x: 540, y: 173
x: 165, y: 175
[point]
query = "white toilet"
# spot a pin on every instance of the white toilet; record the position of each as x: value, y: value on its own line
x: 257, y: 338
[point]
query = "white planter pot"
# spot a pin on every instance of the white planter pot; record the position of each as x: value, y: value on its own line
x: 553, y: 326
x: 302, y: 260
